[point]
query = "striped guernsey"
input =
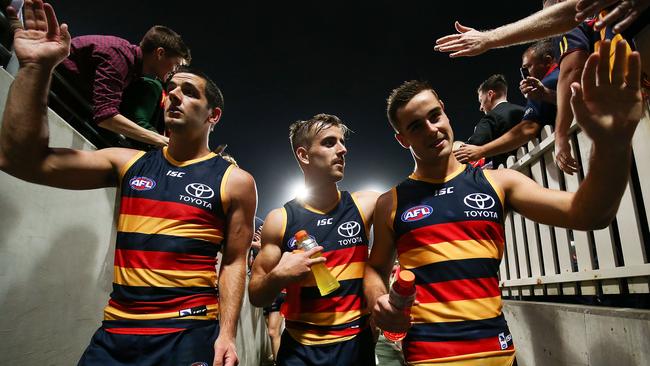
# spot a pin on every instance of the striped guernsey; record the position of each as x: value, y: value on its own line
x: 170, y: 230
x: 339, y: 316
x: 450, y: 234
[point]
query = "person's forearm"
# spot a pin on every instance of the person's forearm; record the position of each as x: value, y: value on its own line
x: 122, y: 125
x: 374, y: 285
x: 555, y: 19
x: 564, y: 115
x: 509, y: 141
x: 596, y: 202
x: 232, y: 281
x: 550, y: 96
x: 264, y: 288
x: 24, y: 136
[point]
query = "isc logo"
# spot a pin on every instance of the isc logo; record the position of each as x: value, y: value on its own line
x: 416, y: 213
x: 142, y: 183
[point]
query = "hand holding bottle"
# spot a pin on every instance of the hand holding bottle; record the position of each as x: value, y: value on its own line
x: 296, y: 266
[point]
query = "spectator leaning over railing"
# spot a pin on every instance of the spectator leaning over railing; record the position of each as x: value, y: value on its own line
x: 500, y: 115
x: 539, y: 62
x: 101, y: 67
x: 143, y: 103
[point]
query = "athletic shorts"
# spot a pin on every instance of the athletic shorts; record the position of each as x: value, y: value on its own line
x: 191, y: 346
x: 275, y: 306
x: 358, y: 351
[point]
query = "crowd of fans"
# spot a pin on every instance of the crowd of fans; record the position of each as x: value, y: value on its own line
x: 567, y: 33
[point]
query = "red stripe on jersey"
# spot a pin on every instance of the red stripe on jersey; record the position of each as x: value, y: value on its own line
x: 127, y: 258
x: 169, y: 210
x: 458, y: 290
x: 442, y: 233
x: 175, y: 304
x: 421, y: 351
x: 335, y: 332
x: 338, y: 257
x: 144, y: 331
x: 331, y: 305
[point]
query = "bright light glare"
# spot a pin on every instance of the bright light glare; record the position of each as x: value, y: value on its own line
x: 377, y: 187
x: 299, y: 190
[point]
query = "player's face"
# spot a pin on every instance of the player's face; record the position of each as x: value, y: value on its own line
x: 186, y: 105
x: 327, y: 153
x: 424, y: 128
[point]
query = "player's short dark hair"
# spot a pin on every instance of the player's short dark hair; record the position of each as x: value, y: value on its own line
x: 400, y: 97
x: 496, y: 82
x: 170, y: 41
x: 212, y: 92
x: 302, y: 133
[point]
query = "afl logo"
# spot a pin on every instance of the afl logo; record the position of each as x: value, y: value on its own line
x: 349, y: 229
x: 479, y: 201
x: 199, y: 190
x: 142, y: 183
x: 292, y: 244
x: 199, y: 364
x: 417, y: 213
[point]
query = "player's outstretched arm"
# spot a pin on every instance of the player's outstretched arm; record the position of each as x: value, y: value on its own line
x: 24, y: 152
x: 608, y: 111
x: 241, y: 198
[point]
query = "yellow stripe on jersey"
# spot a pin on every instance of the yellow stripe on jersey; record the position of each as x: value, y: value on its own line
x: 177, y: 163
x: 331, y: 318
x: 461, y: 310
x: 488, y: 175
x: 495, y: 358
x: 154, y: 225
x: 454, y: 250
x: 163, y: 277
x: 366, y: 224
x: 129, y: 164
x: 393, y: 210
x: 111, y: 313
x: 225, y: 199
x: 312, y: 339
x: 349, y: 271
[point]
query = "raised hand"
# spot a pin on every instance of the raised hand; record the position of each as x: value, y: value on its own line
x: 466, y: 153
x: 467, y: 42
x: 41, y: 42
x: 624, y: 14
x: 609, y: 109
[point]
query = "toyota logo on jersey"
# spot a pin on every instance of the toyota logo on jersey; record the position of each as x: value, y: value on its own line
x: 417, y: 213
x: 142, y: 183
x: 199, y: 190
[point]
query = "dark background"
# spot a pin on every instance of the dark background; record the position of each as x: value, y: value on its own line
x: 281, y: 61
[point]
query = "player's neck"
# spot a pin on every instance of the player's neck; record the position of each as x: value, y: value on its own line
x: 321, y: 196
x: 187, y: 150
x: 439, y: 169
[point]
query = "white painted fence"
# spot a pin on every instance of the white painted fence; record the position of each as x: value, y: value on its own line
x: 545, y: 260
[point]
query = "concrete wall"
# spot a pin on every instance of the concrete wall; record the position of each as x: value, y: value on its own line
x: 578, y: 335
x: 56, y: 262
x: 56, y: 266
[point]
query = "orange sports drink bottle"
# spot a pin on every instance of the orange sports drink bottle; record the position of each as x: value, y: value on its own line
x: 401, y: 296
x: 325, y: 281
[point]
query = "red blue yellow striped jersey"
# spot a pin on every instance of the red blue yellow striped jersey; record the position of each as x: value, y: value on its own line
x: 450, y: 234
x: 342, y: 232
x: 170, y: 228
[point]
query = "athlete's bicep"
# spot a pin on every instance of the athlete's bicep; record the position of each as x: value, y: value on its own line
x: 242, y: 203
x: 84, y: 169
x: 382, y: 254
x: 272, y: 233
x: 535, y: 202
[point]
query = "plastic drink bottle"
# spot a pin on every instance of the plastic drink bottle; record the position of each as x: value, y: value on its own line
x: 401, y: 296
x: 325, y: 281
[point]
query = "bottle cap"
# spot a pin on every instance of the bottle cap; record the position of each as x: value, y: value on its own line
x: 301, y: 235
x: 406, y: 279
